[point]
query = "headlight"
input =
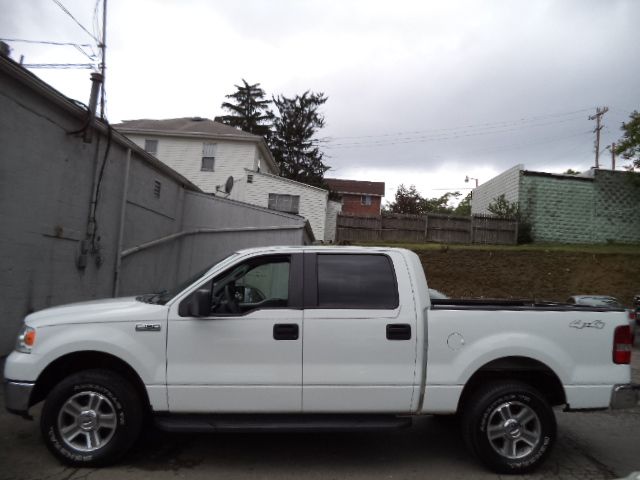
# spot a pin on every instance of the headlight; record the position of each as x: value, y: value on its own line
x: 26, y: 339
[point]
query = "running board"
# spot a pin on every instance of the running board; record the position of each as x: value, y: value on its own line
x: 192, y: 423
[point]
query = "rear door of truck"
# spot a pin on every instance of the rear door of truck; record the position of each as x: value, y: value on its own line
x: 359, y: 352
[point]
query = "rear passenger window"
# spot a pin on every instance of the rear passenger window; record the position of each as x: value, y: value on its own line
x: 356, y: 281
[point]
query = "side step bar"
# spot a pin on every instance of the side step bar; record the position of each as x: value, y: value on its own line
x: 192, y: 423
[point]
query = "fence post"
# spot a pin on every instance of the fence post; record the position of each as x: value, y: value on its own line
x: 426, y: 228
x: 472, y: 232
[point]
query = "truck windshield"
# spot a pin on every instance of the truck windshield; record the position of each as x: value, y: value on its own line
x: 164, y: 296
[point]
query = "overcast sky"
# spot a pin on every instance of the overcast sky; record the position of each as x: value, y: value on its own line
x: 420, y: 92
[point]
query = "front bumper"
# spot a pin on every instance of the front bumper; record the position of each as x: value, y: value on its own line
x: 625, y: 396
x: 17, y: 396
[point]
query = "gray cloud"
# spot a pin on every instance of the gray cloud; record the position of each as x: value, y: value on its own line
x: 520, y: 76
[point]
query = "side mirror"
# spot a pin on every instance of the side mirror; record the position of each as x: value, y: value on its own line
x: 200, y: 304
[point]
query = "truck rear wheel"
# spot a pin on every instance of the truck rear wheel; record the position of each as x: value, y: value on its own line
x: 509, y: 426
x: 91, y: 418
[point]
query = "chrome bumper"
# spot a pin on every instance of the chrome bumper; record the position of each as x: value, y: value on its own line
x: 17, y: 395
x: 625, y: 396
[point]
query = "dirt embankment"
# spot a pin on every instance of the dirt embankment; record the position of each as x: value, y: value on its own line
x: 542, y: 275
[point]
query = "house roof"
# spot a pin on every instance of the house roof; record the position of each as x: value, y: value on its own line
x: 185, y: 125
x: 357, y: 187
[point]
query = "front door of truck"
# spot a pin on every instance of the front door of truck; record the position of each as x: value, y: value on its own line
x: 359, y: 333
x: 245, y: 354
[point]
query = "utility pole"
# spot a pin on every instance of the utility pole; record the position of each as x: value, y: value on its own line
x: 598, y: 118
x: 613, y: 155
x: 103, y: 47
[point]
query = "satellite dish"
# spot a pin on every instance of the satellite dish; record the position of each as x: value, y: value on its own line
x: 228, y: 185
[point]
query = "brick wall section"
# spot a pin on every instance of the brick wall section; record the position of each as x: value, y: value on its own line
x: 353, y: 204
x: 565, y: 209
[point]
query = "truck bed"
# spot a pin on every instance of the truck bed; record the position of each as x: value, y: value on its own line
x: 513, y: 304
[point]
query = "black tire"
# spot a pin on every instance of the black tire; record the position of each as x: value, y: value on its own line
x: 497, y: 410
x: 116, y: 418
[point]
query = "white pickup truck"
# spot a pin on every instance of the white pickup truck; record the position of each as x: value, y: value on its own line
x: 297, y: 338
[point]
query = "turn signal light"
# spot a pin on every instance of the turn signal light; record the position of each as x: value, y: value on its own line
x: 622, y: 342
x: 26, y: 339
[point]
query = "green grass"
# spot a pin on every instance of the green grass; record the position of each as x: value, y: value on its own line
x: 529, y: 247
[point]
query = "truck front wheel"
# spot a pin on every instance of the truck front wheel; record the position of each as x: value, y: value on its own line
x: 91, y: 418
x: 509, y: 426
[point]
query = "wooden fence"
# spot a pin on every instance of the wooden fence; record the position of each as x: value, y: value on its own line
x: 427, y: 228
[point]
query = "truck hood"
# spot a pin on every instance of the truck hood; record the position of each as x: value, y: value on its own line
x: 97, y: 311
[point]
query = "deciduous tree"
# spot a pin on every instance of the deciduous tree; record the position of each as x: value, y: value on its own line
x: 628, y: 146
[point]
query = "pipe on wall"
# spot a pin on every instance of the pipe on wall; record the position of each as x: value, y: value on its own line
x: 123, y: 210
x: 175, y: 236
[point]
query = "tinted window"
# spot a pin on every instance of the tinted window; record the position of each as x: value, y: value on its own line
x: 356, y: 281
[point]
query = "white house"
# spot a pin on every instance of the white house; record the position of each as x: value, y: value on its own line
x: 208, y: 153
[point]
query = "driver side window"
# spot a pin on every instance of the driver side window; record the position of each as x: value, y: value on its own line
x: 259, y: 283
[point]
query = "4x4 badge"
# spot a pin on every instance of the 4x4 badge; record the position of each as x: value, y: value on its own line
x: 599, y: 324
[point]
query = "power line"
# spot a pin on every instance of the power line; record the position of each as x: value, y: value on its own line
x: 439, y: 137
x: 486, y: 125
x: 515, y: 146
x: 47, y: 42
x: 59, y: 65
x: 64, y: 9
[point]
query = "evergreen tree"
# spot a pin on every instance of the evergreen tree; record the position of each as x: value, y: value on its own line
x: 249, y: 111
x: 292, y: 143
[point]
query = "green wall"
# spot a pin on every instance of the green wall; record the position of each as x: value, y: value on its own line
x: 568, y: 209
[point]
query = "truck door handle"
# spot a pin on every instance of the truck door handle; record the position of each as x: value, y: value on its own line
x: 286, y: 331
x: 398, y: 331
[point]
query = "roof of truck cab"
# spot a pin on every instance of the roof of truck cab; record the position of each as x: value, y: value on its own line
x: 319, y: 248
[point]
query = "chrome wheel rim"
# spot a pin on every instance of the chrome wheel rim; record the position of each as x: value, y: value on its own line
x: 514, y: 430
x: 87, y: 421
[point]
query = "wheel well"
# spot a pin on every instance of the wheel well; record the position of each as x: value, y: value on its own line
x: 75, y: 362
x: 523, y: 369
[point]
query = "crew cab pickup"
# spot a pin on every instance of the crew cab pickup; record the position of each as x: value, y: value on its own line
x: 322, y: 338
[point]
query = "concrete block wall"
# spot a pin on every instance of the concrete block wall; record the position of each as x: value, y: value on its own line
x: 507, y: 183
x: 617, y: 206
x: 601, y: 208
x: 560, y: 209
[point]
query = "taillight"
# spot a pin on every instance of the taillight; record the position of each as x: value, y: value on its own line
x: 622, y: 342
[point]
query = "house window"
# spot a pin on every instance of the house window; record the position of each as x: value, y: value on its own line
x: 207, y: 164
x: 284, y: 203
x: 208, y: 157
x: 365, y: 199
x: 151, y: 146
